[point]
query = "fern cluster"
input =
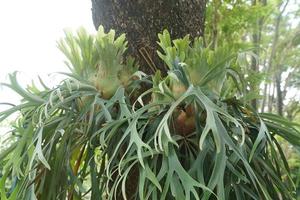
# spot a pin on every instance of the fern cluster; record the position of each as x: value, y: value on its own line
x: 90, y: 138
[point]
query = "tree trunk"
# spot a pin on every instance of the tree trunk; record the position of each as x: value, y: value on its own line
x: 274, y: 47
x: 142, y: 20
x: 263, y: 104
x: 271, y: 96
x: 256, y: 40
x: 265, y: 91
x: 216, y: 7
x: 279, y: 102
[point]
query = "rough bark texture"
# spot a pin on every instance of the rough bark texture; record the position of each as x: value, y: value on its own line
x: 142, y: 20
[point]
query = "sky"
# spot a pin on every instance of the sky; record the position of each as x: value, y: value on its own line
x: 29, y: 30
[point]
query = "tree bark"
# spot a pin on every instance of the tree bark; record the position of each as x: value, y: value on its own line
x: 142, y: 20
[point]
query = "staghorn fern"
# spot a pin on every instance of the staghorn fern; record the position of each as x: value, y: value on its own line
x: 98, y: 59
x: 202, y: 66
x: 88, y: 138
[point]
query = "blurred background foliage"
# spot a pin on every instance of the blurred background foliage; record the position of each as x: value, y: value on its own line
x: 271, y: 30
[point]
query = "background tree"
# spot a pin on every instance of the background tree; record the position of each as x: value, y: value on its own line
x: 270, y: 29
